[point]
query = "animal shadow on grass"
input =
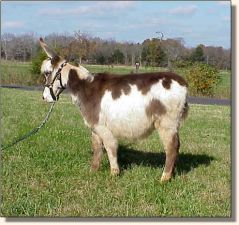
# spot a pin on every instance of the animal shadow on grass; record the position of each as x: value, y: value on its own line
x: 186, y: 161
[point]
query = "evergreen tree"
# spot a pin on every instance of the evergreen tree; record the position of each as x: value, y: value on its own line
x: 198, y: 54
x: 118, y: 57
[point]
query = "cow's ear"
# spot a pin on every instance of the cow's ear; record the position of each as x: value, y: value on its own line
x: 50, y: 52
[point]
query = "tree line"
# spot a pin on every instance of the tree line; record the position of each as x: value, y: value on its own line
x: 83, y: 48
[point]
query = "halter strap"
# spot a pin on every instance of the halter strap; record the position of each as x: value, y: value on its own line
x: 58, y: 77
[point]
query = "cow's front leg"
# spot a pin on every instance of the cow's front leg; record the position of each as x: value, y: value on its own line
x: 97, y: 147
x: 111, y: 146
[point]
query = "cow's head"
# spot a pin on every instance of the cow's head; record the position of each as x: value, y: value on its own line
x: 52, y: 69
x: 56, y: 71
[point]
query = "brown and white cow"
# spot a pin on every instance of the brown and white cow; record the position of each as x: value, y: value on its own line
x: 121, y: 106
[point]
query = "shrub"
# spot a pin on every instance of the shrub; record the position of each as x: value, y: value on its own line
x: 202, y: 79
x: 36, y: 67
x: 37, y: 61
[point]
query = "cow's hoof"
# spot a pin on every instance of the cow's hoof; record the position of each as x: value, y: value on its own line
x: 115, y: 172
x: 165, y: 178
x: 94, y: 167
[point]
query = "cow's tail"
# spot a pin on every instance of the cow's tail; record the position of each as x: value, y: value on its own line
x: 185, y: 111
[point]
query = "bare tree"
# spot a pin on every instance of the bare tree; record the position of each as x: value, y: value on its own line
x: 7, y: 45
x: 174, y: 49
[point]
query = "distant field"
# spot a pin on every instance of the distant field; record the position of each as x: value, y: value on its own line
x: 13, y: 72
x: 223, y: 89
x: 20, y: 73
x: 49, y: 174
x: 121, y: 69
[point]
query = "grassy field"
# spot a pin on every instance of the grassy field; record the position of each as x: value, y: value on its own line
x: 49, y: 173
x: 20, y: 73
x: 223, y: 89
x: 13, y: 72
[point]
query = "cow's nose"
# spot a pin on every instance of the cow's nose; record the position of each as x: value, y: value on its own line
x: 43, y: 98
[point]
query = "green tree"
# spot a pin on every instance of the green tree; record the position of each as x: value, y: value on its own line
x: 198, y: 54
x: 161, y: 57
x: 118, y: 56
x: 100, y: 58
x: 152, y: 53
x: 145, y: 53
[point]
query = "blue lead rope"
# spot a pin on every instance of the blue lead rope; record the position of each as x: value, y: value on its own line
x: 32, y: 132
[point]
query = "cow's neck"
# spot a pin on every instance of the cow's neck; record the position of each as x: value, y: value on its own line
x: 72, y: 74
x: 84, y: 94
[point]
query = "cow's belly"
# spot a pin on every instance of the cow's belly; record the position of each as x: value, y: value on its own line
x: 126, y: 117
x: 130, y: 126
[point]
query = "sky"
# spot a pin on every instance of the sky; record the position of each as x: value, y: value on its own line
x: 197, y: 22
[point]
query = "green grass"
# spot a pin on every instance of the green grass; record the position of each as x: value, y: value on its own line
x: 49, y: 173
x: 223, y: 90
x: 20, y: 73
x: 121, y: 69
x: 13, y: 72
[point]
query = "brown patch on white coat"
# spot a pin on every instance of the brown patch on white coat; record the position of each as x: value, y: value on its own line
x: 128, y: 106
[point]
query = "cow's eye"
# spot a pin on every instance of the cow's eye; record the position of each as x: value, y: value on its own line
x: 47, y: 73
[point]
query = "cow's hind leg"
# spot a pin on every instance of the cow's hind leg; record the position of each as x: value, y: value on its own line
x: 170, y: 139
x: 111, y: 147
x: 97, y: 147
